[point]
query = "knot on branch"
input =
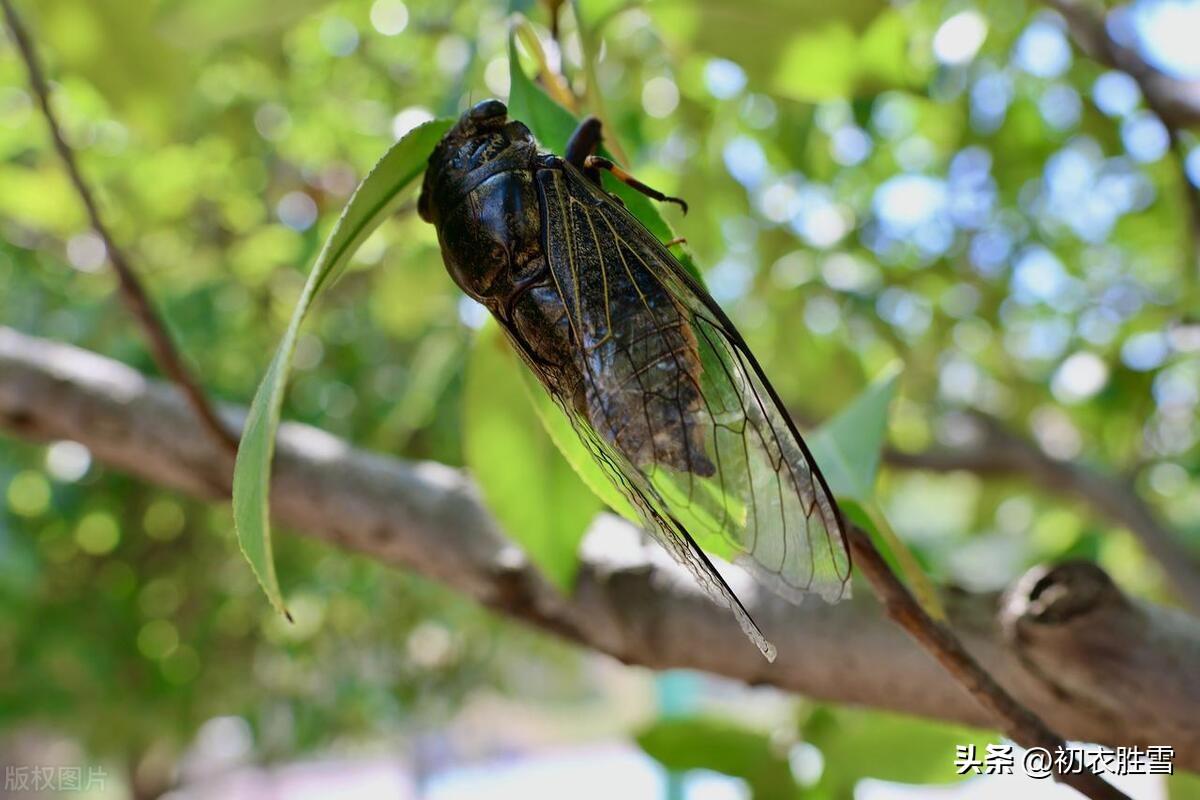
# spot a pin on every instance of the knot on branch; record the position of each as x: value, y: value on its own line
x: 1060, y: 594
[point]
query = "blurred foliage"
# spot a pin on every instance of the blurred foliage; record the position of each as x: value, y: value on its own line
x: 941, y: 182
x: 832, y: 751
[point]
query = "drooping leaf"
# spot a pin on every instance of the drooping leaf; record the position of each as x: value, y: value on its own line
x: 375, y: 198
x: 535, y: 494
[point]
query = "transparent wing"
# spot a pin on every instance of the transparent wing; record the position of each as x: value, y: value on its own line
x: 678, y: 412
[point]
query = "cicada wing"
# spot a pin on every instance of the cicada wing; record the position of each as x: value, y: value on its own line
x: 728, y: 464
x: 643, y: 496
x: 665, y: 528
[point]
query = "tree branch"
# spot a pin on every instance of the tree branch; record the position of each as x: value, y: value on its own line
x: 136, y: 299
x: 1016, y: 721
x: 1097, y: 665
x: 992, y: 449
x: 1175, y: 102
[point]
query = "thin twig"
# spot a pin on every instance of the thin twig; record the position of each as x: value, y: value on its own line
x: 166, y: 356
x: 996, y: 450
x: 1015, y: 721
x: 589, y: 53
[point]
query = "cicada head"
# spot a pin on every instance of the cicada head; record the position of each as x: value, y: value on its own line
x: 482, y: 134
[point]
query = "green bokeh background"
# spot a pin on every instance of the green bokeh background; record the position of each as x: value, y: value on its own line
x: 224, y: 138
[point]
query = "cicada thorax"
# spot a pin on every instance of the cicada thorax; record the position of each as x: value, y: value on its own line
x: 636, y: 381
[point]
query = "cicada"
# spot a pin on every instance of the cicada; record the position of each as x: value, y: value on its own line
x: 652, y: 374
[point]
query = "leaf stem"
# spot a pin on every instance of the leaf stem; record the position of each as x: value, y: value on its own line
x: 594, y: 95
x: 921, y: 586
x: 1015, y: 721
x: 136, y: 299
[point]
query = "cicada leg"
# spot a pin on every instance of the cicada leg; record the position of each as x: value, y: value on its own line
x: 599, y: 162
x: 581, y: 154
x: 583, y: 143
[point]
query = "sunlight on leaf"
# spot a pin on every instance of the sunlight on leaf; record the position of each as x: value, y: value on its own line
x: 375, y: 198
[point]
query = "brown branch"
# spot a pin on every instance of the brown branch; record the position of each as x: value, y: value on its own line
x: 1097, y: 665
x: 1175, y: 102
x: 133, y: 294
x: 993, y: 449
x: 1016, y: 721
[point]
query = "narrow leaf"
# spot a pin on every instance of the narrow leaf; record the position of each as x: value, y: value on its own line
x: 559, y: 429
x: 375, y: 198
x: 554, y: 82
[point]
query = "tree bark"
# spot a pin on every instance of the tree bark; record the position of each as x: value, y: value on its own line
x: 1095, y: 664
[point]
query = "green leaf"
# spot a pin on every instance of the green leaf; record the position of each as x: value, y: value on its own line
x: 534, y: 493
x: 116, y: 46
x: 687, y: 743
x: 1183, y: 786
x: 551, y: 123
x: 902, y: 749
x: 438, y: 359
x: 848, y: 446
x: 818, y: 64
x: 835, y: 62
x: 375, y: 198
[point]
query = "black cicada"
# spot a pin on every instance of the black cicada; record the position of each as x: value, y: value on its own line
x: 654, y: 377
